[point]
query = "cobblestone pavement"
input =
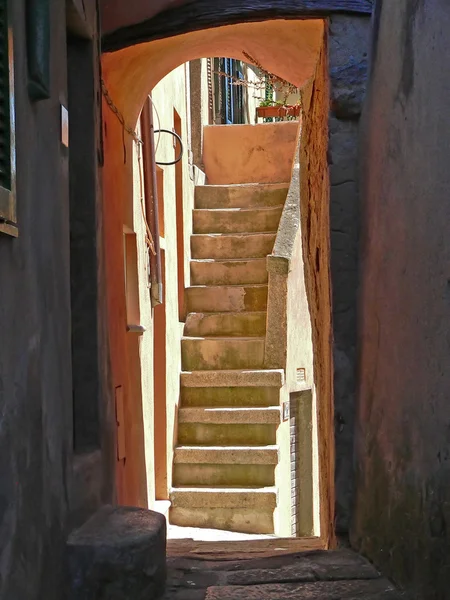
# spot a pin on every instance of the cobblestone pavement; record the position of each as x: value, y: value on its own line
x: 270, y: 569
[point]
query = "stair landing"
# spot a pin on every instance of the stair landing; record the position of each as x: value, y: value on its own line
x: 269, y: 569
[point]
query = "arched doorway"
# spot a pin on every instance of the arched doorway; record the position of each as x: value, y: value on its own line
x: 295, y: 51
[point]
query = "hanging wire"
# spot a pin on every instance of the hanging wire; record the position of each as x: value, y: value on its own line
x: 119, y: 115
x: 125, y: 128
x: 148, y: 237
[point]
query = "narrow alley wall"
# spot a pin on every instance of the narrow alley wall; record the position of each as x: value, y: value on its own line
x: 348, y: 48
x: 172, y: 110
x: 403, y: 431
x: 315, y: 226
x: 46, y: 485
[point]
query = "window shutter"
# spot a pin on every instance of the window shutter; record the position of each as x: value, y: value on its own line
x: 5, y: 122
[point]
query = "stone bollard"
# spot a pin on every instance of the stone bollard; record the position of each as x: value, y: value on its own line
x: 118, y: 554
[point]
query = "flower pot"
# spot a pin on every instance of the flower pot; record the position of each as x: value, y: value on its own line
x: 267, y: 112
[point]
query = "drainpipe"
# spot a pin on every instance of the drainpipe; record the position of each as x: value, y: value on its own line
x: 151, y: 200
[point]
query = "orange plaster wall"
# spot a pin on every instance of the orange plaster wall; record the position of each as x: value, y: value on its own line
x: 315, y: 223
x: 263, y: 153
x: 288, y: 48
x: 131, y: 480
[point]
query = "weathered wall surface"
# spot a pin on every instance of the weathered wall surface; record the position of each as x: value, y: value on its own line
x: 269, y: 160
x: 315, y: 226
x: 348, y: 48
x: 403, y: 477
x: 168, y: 96
x: 36, y: 444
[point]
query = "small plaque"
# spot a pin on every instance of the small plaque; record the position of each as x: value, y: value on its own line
x: 64, y: 126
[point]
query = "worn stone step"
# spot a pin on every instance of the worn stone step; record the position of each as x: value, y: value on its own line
x: 252, y: 520
x: 207, y: 497
x: 229, y: 272
x: 232, y: 245
x: 226, y: 298
x: 233, y: 378
x: 245, y: 195
x: 228, y: 455
x: 230, y: 416
x: 226, y: 324
x: 221, y: 353
x: 245, y: 510
x: 236, y: 220
x: 223, y: 475
x: 224, y: 397
x: 236, y: 434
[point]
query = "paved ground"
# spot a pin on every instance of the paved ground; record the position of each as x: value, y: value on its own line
x: 270, y: 569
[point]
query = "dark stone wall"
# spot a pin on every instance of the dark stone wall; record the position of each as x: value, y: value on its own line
x: 36, y: 425
x: 402, y: 512
x: 349, y: 38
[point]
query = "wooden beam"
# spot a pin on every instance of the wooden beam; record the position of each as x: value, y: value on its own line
x: 195, y: 15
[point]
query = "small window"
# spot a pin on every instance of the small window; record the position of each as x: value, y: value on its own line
x: 7, y: 167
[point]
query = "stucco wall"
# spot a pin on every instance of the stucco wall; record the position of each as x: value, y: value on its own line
x: 348, y: 47
x: 36, y: 445
x: 403, y: 483
x: 171, y: 93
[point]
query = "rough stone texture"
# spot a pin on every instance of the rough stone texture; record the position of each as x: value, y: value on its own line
x: 222, y: 572
x: 348, y: 48
x: 402, y: 512
x: 351, y: 590
x: 349, y: 45
x: 120, y: 553
x: 315, y: 226
x: 137, y: 23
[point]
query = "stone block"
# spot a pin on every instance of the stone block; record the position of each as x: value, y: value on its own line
x: 118, y: 554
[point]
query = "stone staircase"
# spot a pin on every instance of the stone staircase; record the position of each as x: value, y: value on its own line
x: 227, y: 453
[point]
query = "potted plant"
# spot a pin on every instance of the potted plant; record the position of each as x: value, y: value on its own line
x: 277, y: 109
x: 272, y: 85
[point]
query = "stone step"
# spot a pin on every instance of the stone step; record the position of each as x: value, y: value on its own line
x: 226, y: 298
x: 223, y: 475
x: 245, y: 510
x: 230, y: 416
x: 227, y: 455
x: 236, y: 220
x: 199, y: 354
x: 256, y: 521
x: 226, y: 324
x: 241, y: 195
x: 233, y: 378
x: 229, y: 272
x: 229, y: 397
x: 232, y: 245
x: 207, y: 497
x: 227, y: 435
x: 228, y: 426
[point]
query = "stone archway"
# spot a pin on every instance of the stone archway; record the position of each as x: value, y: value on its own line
x: 130, y: 23
x: 132, y: 71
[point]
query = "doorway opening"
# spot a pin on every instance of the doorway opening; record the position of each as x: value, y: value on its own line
x: 245, y: 313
